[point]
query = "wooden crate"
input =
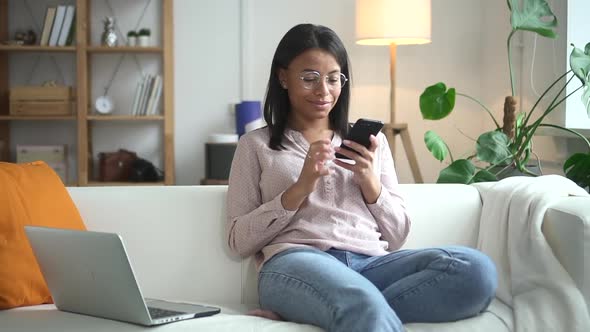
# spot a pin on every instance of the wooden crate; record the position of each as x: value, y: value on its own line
x: 41, y: 100
x: 26, y: 153
x: 54, y: 155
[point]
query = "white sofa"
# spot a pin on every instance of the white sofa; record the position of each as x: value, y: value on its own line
x: 176, y: 240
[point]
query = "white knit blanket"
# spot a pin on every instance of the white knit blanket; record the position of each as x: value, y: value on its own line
x: 531, y: 280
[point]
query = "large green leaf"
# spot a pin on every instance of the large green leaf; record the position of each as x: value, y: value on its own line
x: 484, y: 176
x: 577, y: 169
x: 586, y: 99
x: 460, y: 171
x: 436, y: 102
x: 535, y: 16
x: 493, y: 147
x: 580, y: 64
x: 518, y: 124
x: 436, y: 145
x: 463, y: 171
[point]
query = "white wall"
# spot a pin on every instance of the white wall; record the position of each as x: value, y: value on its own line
x: 206, y: 78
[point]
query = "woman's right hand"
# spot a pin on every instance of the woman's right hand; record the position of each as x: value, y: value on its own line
x: 316, y: 165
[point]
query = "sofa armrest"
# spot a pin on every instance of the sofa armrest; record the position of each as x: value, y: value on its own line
x: 567, y: 228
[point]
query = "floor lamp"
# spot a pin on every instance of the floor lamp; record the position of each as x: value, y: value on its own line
x: 395, y: 22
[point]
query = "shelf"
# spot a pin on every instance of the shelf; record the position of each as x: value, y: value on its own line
x: 36, y: 117
x: 72, y: 49
x: 37, y: 48
x: 214, y: 182
x: 125, y: 118
x: 112, y: 184
x: 85, y: 62
x: 123, y: 49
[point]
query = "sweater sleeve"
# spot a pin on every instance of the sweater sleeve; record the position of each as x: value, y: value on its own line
x: 389, y: 210
x: 252, y: 224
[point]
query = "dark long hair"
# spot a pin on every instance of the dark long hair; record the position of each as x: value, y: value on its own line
x: 297, y: 40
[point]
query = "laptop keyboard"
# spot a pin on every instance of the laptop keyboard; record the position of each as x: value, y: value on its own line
x: 156, y: 313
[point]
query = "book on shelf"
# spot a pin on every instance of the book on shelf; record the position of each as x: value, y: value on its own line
x: 155, y: 107
x: 151, y: 105
x: 57, y: 24
x: 147, y: 95
x: 72, y: 33
x: 66, y: 26
x: 144, y: 94
x: 47, y: 25
x: 138, y: 90
x: 143, y: 91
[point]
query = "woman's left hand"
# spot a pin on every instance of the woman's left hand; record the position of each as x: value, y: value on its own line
x: 362, y: 168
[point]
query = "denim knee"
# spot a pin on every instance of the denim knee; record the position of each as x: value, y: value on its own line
x: 368, y: 305
x: 360, y: 300
x: 480, y: 279
x: 312, y: 287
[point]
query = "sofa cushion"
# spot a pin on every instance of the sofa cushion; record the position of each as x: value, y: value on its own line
x: 498, y: 318
x: 30, y: 194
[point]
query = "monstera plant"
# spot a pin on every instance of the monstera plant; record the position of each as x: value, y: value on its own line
x: 508, y: 147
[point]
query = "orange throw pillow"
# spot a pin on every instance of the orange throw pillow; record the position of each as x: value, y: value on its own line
x: 30, y: 194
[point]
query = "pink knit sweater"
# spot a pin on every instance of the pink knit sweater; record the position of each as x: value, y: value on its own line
x: 335, y: 215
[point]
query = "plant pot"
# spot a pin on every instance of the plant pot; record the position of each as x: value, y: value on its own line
x: 132, y: 41
x: 143, y: 41
x: 502, y: 173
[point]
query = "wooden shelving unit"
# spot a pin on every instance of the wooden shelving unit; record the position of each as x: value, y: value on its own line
x: 126, y: 118
x: 83, y: 118
x: 96, y: 183
x: 124, y: 49
x: 38, y: 117
x: 33, y: 48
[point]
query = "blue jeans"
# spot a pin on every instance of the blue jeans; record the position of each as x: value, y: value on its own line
x: 343, y: 291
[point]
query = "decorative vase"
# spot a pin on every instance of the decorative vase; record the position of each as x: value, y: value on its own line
x: 109, y: 37
x: 143, y: 41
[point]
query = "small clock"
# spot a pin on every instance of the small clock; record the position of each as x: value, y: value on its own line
x: 104, y: 105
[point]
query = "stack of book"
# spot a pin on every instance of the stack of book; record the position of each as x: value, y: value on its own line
x: 59, y: 28
x: 147, y: 96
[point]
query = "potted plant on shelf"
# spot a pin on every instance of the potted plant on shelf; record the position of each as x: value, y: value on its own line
x: 132, y: 38
x: 508, y: 147
x: 143, y: 37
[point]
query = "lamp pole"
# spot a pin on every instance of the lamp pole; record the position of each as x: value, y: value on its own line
x: 395, y: 22
x: 392, y: 56
x: 393, y: 128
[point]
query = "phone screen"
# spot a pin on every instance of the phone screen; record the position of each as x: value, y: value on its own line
x: 360, y: 132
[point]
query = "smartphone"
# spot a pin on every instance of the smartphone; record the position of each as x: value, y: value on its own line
x: 360, y: 132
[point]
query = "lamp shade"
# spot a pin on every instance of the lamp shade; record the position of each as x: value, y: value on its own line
x: 400, y: 22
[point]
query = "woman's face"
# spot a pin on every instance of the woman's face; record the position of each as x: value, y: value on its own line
x: 313, y: 82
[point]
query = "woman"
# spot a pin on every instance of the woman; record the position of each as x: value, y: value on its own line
x: 326, y: 233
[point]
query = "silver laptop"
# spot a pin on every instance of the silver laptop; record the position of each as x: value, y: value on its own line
x: 90, y: 273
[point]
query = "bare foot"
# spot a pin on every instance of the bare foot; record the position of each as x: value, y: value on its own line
x: 265, y: 314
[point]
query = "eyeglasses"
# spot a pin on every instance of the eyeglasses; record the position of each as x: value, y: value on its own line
x: 311, y: 79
